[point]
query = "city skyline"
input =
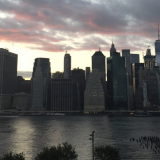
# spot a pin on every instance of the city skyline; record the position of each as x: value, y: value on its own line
x: 48, y: 29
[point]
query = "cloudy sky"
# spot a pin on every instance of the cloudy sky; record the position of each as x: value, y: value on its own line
x: 49, y: 28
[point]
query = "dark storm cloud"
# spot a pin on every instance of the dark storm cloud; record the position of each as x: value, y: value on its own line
x: 67, y: 20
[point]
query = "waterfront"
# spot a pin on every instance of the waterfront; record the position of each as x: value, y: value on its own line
x: 30, y: 134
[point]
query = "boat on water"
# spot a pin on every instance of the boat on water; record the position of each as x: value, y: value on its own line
x: 142, y: 114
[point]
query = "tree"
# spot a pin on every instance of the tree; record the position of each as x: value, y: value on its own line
x: 61, y: 152
x: 106, y: 153
x: 11, y: 156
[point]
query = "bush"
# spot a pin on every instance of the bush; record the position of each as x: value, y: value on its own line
x: 11, y: 156
x: 61, y: 152
x: 106, y: 153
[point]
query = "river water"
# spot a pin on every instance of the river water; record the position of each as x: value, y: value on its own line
x: 30, y: 134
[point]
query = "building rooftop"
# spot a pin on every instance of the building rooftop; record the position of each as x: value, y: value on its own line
x: 98, y: 53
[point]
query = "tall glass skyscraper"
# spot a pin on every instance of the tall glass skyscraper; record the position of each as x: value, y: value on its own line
x: 116, y: 82
x: 40, y: 84
x: 67, y: 66
x: 99, y: 62
x: 8, y: 71
x: 8, y: 77
x: 157, y: 51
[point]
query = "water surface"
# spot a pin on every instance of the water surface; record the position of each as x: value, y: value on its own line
x: 30, y: 134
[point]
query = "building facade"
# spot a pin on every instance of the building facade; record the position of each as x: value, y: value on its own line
x: 99, y: 62
x: 8, y: 76
x: 157, y: 51
x: 67, y: 66
x: 126, y: 54
x: 64, y: 95
x: 23, y: 85
x: 135, y: 68
x: 112, y: 50
x: 8, y: 72
x: 149, y: 89
x: 149, y: 60
x: 87, y: 72
x: 116, y: 83
x: 94, y: 94
x: 134, y: 58
x: 78, y: 77
x: 21, y: 101
x: 58, y: 75
x: 41, y: 77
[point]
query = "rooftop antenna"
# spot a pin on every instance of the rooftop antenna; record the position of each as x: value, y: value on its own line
x: 99, y: 48
x: 158, y: 31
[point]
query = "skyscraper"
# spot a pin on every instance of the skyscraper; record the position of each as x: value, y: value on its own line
x: 99, y: 62
x: 8, y: 77
x: 67, y: 66
x: 157, y: 49
x: 148, y: 90
x: 58, y: 75
x: 23, y: 85
x: 116, y: 82
x: 149, y: 60
x: 135, y: 68
x: 94, y: 93
x: 40, y: 84
x: 134, y: 58
x: 78, y: 77
x: 64, y: 95
x: 87, y: 72
x: 8, y: 71
x: 126, y: 54
x: 112, y: 50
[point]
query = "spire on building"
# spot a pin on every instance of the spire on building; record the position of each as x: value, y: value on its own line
x: 113, y: 49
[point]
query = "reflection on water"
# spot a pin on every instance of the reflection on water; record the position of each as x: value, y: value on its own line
x: 30, y: 134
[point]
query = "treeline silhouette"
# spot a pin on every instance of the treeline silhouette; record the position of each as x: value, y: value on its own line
x: 66, y: 152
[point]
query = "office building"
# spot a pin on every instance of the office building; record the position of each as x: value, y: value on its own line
x: 94, y: 94
x: 8, y: 71
x: 99, y: 62
x: 112, y: 50
x: 8, y: 77
x: 134, y: 58
x: 116, y: 83
x: 67, y: 66
x: 157, y: 52
x: 21, y: 101
x: 135, y: 68
x: 64, y: 95
x: 149, y: 90
x: 127, y: 55
x: 87, y: 72
x: 157, y: 49
x: 58, y: 75
x: 41, y: 84
x: 78, y: 77
x: 149, y: 60
x: 23, y: 85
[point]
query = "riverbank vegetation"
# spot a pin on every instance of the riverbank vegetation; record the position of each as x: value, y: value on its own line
x: 66, y: 152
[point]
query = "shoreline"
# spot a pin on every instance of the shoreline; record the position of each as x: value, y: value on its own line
x: 52, y: 113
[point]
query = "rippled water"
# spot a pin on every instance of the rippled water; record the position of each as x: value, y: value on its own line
x: 30, y: 134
